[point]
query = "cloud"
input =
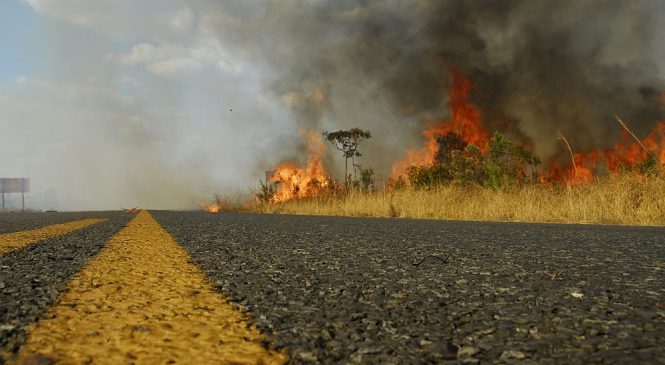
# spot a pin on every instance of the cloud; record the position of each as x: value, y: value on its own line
x: 171, y: 60
x: 183, y: 20
x: 123, y: 19
x: 127, y: 80
x: 90, y: 96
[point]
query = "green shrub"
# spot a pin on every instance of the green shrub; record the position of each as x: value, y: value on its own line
x: 504, y: 164
x: 508, y: 164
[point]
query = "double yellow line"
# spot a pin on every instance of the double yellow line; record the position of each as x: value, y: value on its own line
x: 142, y: 301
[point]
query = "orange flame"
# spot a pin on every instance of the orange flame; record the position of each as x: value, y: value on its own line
x: 214, y: 207
x: 580, y: 173
x: 465, y: 121
x: 626, y: 153
x: 294, y: 181
x: 656, y: 142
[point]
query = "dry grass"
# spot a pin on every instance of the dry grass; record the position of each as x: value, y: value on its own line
x: 622, y: 199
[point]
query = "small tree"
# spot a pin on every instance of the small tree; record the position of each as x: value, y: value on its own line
x: 347, y: 142
x: 365, y: 180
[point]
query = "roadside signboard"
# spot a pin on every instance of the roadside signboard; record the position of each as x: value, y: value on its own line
x: 14, y: 185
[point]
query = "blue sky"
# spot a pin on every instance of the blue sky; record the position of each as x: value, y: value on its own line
x: 19, y: 27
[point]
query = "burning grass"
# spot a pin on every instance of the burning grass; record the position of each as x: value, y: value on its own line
x: 625, y: 199
x: 464, y: 172
x: 223, y: 203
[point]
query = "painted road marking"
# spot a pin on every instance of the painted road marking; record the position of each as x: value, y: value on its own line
x: 141, y: 300
x: 15, y: 240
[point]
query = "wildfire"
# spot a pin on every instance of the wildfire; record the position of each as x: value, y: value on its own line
x: 294, y: 181
x: 624, y: 154
x: 464, y: 121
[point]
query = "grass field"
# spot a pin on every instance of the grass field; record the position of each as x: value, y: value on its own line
x: 625, y: 199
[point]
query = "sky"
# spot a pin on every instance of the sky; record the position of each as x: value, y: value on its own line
x: 162, y: 103
x: 109, y: 104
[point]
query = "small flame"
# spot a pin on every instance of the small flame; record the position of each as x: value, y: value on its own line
x: 214, y: 207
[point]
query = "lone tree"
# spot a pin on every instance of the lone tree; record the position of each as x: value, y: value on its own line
x: 347, y: 142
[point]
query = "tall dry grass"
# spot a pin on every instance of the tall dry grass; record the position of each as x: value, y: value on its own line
x: 620, y: 199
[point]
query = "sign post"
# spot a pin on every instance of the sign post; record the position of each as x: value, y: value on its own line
x: 15, y: 185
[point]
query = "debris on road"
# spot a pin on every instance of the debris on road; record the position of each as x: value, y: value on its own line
x: 433, y: 257
x: 134, y: 210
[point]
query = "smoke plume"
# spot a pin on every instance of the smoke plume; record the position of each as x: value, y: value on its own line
x: 538, y: 66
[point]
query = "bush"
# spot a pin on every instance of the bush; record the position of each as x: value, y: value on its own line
x: 508, y: 164
x: 266, y: 191
x: 426, y: 177
x: 504, y: 164
x: 467, y: 166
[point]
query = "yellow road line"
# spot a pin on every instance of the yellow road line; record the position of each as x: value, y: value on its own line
x: 15, y: 240
x: 141, y: 300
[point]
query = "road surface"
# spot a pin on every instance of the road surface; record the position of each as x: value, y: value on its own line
x: 113, y: 287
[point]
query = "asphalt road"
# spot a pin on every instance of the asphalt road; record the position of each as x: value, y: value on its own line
x: 15, y: 222
x: 395, y: 291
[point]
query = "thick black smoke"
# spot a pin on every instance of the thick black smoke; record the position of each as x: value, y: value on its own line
x: 538, y: 66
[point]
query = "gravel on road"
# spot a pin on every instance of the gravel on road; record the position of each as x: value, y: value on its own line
x: 393, y: 291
